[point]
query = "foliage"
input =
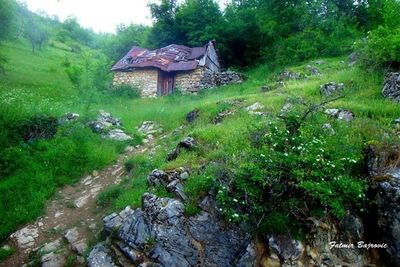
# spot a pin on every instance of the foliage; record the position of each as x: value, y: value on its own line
x: 286, y: 177
x: 381, y: 48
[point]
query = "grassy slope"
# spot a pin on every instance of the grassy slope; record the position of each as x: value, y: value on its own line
x: 37, y: 83
x: 374, y: 116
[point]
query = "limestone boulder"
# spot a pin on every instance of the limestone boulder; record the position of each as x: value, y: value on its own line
x: 391, y: 86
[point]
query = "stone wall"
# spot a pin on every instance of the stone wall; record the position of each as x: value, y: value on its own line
x: 144, y: 80
x: 189, y: 81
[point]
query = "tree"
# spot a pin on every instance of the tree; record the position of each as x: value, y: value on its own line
x: 36, y: 34
x: 7, y: 9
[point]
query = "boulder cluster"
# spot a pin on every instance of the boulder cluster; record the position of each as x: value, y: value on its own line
x: 109, y: 127
x: 214, y: 79
x: 391, y: 87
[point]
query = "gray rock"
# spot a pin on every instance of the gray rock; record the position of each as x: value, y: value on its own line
x: 391, y: 86
x: 80, y: 247
x: 192, y: 115
x: 113, y: 222
x: 51, y: 247
x: 187, y: 143
x: 340, y: 114
x: 353, y: 228
x: 157, y: 178
x: 353, y: 58
x: 249, y: 257
x: 380, y: 164
x: 331, y: 88
x: 104, y: 122
x: 289, y: 75
x: 222, y: 247
x: 212, y: 79
x: 117, y: 135
x: 255, y: 109
x: 53, y: 260
x: 149, y: 127
x: 176, y: 187
x: 25, y: 237
x: 288, y: 249
x: 100, y: 256
x: 72, y: 235
x: 184, y: 175
x: 312, y: 70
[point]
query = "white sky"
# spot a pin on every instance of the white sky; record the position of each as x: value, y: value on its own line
x: 99, y: 15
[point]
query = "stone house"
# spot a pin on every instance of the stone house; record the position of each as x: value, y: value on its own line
x: 162, y: 71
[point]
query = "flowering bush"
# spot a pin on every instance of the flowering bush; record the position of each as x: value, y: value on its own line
x: 288, y: 177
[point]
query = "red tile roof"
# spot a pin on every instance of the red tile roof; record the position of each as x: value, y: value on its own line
x: 170, y: 58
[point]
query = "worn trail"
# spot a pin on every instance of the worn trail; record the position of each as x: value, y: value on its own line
x: 71, y: 220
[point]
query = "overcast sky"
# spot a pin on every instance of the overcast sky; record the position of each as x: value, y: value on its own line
x: 100, y: 15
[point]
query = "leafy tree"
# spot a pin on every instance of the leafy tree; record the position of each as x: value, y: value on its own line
x: 37, y: 35
x: 7, y: 12
x: 164, y: 29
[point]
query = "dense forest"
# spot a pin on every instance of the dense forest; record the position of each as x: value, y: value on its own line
x: 247, y: 32
x: 275, y: 152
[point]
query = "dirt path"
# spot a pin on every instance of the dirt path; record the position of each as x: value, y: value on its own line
x: 71, y: 221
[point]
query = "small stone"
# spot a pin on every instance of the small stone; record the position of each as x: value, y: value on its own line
x: 331, y: 88
x: 80, y: 247
x: 95, y: 173
x: 72, y: 235
x: 255, y: 108
x: 117, y: 135
x: 53, y: 260
x: 25, y: 237
x: 184, y: 175
x: 51, y: 247
x: 80, y: 202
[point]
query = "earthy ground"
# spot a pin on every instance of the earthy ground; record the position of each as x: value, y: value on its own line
x: 73, y: 210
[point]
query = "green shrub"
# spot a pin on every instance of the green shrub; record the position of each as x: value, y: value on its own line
x: 381, y: 48
x: 289, y: 175
x: 125, y: 91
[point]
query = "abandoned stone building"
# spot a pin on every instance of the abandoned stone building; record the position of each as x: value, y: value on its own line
x: 162, y: 71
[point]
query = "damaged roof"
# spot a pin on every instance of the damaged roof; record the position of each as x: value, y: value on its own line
x: 170, y: 58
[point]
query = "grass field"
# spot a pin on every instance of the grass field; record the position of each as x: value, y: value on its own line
x: 37, y: 84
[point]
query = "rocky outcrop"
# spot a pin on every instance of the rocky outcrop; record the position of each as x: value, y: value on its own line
x: 289, y: 75
x: 104, y: 122
x: 214, y: 79
x: 383, y: 165
x: 159, y: 234
x: 331, y: 88
x: 391, y: 86
x: 109, y: 127
x: 171, y: 180
x: 256, y: 109
x: 192, y: 115
x: 340, y: 114
x: 187, y: 143
x: 312, y: 70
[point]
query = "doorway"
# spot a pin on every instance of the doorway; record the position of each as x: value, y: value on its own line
x: 166, y: 83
